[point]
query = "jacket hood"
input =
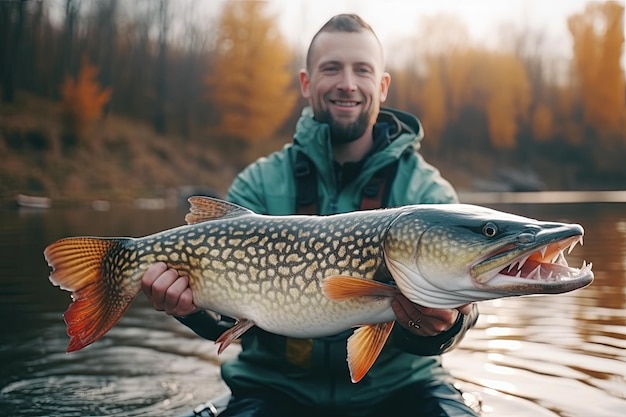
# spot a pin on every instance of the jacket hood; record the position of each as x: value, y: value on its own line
x: 405, y: 122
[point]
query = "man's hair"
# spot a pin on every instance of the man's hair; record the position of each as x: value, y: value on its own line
x: 341, y: 23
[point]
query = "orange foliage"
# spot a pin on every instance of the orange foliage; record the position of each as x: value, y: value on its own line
x: 83, y: 99
x: 508, y: 98
x: 434, y: 115
x: 542, y: 123
x: 250, y: 82
x: 495, y: 83
x: 598, y: 45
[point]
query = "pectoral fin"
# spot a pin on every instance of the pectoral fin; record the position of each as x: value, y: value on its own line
x: 233, y: 334
x: 340, y: 287
x: 364, y: 346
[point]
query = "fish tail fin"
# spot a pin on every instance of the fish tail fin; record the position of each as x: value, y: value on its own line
x: 91, y: 268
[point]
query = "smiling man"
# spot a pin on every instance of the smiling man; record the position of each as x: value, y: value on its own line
x: 348, y: 153
x: 345, y: 84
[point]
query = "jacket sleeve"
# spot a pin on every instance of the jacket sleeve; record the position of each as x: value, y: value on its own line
x: 435, y: 345
x: 247, y: 189
x: 418, y: 182
x: 206, y: 324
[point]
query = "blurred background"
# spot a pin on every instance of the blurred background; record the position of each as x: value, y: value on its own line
x: 112, y: 112
x: 117, y: 100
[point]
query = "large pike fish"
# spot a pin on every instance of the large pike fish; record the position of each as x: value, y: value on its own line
x: 313, y: 276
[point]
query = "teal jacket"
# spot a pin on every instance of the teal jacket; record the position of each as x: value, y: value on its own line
x: 268, y: 186
x: 314, y: 371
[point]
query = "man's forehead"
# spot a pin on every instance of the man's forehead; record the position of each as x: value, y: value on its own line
x: 347, y: 46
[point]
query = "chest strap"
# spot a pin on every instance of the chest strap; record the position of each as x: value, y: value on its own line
x: 375, y: 194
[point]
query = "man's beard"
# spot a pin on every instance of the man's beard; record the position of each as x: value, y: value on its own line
x: 341, y: 133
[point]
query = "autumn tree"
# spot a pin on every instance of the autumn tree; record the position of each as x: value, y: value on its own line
x: 419, y: 82
x: 161, y: 67
x: 485, y: 88
x: 250, y: 80
x: 83, y: 100
x: 508, y: 98
x: 598, y: 46
x: 11, y: 52
x: 434, y: 113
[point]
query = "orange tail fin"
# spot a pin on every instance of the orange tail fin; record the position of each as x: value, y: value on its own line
x: 91, y: 270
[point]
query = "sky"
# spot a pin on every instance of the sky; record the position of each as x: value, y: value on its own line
x: 392, y: 19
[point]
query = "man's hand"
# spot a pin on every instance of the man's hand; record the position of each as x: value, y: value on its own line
x: 167, y: 291
x: 425, y: 321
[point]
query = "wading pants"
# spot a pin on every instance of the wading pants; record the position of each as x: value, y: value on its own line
x: 436, y: 398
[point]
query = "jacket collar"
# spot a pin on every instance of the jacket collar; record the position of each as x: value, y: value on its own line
x: 403, y: 129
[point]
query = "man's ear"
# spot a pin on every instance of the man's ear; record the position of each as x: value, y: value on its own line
x: 305, y: 83
x: 384, y: 86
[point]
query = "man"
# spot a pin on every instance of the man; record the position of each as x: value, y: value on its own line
x: 347, y: 139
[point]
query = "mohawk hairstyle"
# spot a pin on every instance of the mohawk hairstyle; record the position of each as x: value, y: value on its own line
x: 346, y: 22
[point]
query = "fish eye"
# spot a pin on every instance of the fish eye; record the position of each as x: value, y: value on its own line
x: 490, y: 229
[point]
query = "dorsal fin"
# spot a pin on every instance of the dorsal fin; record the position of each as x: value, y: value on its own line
x: 208, y: 208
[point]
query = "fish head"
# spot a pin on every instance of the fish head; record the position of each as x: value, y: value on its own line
x: 448, y: 255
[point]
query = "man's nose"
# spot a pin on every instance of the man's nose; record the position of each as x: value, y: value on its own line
x: 347, y: 81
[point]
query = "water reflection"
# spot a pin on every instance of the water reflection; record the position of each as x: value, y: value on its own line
x: 529, y: 357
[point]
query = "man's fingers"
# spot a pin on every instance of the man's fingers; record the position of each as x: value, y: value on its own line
x: 152, y: 273
x: 399, y: 310
x: 160, y: 286
x: 465, y: 309
x: 411, y: 318
x: 173, y: 294
x: 426, y: 321
x: 185, y: 304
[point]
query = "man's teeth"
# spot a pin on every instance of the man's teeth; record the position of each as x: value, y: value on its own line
x: 346, y: 103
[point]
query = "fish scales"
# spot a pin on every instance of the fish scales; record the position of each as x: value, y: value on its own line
x: 268, y: 269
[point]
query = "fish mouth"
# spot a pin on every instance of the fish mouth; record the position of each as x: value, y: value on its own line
x: 539, y: 266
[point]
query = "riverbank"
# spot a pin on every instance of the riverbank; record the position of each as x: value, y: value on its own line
x: 121, y: 161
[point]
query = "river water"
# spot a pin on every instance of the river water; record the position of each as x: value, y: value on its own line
x: 562, y: 355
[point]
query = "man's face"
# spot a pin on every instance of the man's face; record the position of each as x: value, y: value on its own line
x: 345, y: 82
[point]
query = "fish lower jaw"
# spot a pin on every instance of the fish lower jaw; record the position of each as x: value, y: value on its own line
x: 541, y: 276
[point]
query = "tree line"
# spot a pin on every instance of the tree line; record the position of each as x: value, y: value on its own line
x: 233, y: 78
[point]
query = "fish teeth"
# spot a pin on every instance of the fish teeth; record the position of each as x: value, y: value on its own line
x: 543, y: 251
x: 562, y: 260
x: 573, y: 245
x: 535, y: 273
x: 518, y: 264
x: 511, y: 266
x: 522, y: 262
x: 586, y: 267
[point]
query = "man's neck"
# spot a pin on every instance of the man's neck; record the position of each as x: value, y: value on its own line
x: 354, y: 151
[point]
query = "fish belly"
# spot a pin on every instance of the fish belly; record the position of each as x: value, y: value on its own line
x: 296, y: 312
